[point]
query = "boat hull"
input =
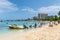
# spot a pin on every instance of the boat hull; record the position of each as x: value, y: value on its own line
x: 15, y: 27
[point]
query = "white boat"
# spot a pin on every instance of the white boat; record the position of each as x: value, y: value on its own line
x: 15, y: 27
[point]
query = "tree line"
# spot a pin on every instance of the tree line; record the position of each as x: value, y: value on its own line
x: 53, y: 18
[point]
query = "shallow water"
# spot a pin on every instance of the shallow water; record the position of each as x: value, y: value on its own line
x: 5, y: 29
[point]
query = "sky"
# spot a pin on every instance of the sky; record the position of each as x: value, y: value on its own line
x: 23, y: 9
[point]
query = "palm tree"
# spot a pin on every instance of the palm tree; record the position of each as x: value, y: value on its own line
x: 59, y: 14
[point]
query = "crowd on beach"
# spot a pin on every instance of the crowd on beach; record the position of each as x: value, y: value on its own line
x: 30, y: 26
x: 51, y: 23
x: 35, y: 25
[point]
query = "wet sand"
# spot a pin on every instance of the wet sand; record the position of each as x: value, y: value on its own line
x: 44, y: 33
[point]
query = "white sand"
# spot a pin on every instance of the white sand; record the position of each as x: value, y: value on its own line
x: 45, y: 33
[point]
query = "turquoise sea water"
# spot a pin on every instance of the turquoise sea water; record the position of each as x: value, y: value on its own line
x: 5, y: 29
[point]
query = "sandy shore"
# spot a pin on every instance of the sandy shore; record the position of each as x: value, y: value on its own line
x: 45, y: 33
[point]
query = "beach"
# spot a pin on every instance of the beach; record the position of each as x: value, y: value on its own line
x: 44, y: 33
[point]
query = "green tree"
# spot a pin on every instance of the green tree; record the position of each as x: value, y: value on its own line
x: 55, y: 18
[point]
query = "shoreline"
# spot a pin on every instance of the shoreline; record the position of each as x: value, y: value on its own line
x: 44, y: 33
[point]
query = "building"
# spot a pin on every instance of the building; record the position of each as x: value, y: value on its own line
x: 42, y: 16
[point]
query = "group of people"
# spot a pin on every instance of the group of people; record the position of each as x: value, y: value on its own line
x: 30, y: 26
x: 35, y: 25
x: 51, y: 23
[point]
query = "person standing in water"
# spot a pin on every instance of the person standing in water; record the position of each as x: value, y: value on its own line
x: 35, y: 25
x: 41, y: 24
x: 25, y: 26
x: 30, y: 26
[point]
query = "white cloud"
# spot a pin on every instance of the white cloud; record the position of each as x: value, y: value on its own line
x: 6, y: 6
x: 27, y: 9
x: 49, y: 9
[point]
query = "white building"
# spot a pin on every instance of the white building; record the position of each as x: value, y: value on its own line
x: 42, y: 16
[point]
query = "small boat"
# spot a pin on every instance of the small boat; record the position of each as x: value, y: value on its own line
x: 15, y: 27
